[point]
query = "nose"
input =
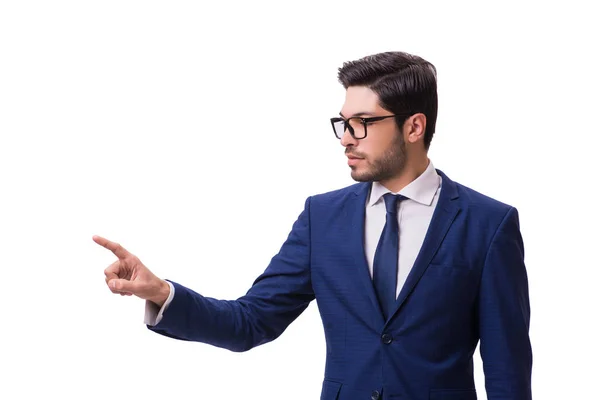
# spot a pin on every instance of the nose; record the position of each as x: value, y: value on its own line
x: 347, y: 139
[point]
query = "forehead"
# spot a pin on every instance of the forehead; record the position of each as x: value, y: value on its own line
x: 360, y: 100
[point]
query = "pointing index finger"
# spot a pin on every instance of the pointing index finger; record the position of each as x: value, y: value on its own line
x: 116, y: 248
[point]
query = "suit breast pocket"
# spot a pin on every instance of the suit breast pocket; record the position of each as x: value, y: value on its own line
x: 447, y: 285
x: 449, y: 269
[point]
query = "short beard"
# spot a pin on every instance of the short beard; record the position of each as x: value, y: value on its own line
x: 385, y: 167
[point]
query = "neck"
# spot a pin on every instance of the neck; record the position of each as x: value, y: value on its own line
x: 411, y: 171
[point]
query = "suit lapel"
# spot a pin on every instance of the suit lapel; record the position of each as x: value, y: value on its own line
x: 355, y: 213
x: 443, y: 216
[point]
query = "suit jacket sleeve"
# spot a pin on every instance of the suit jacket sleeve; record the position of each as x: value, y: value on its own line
x: 504, y: 315
x: 277, y: 297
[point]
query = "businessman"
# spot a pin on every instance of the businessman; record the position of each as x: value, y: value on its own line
x: 409, y: 269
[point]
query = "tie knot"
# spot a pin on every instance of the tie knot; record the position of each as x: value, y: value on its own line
x: 391, y: 202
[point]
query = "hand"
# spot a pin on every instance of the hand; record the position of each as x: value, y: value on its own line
x: 128, y: 275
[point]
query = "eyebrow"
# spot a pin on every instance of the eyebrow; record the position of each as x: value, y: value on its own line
x: 358, y: 114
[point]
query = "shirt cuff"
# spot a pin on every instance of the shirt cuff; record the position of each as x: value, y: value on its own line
x: 153, y: 313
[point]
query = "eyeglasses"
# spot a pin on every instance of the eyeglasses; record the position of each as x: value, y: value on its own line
x: 357, y: 125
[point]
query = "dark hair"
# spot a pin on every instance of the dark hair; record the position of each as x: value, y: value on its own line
x: 405, y: 83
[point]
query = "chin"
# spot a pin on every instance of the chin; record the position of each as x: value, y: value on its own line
x: 361, y: 177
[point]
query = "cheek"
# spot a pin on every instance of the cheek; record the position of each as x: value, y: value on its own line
x: 374, y: 148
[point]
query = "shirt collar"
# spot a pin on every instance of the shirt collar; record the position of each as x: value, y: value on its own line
x: 422, y: 189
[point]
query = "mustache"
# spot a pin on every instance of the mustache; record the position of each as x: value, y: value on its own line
x: 354, y: 154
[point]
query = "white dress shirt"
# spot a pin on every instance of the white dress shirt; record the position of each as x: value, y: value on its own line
x: 414, y: 216
x: 153, y: 313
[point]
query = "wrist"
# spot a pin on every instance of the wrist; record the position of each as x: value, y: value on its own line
x: 163, y: 293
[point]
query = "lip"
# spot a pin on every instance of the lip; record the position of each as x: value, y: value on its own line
x: 353, y: 156
x: 353, y: 160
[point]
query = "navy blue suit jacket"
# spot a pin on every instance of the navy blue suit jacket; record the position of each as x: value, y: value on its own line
x: 468, y: 284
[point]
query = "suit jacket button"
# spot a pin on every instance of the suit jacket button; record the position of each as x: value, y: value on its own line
x: 386, y: 338
x: 375, y: 395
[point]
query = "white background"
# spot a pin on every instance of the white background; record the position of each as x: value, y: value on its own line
x: 192, y: 135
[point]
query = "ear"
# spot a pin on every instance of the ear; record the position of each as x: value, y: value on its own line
x: 415, y: 127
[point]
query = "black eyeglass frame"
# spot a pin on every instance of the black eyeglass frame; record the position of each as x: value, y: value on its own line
x: 364, y: 122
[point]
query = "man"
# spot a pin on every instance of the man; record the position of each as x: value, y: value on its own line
x: 409, y: 269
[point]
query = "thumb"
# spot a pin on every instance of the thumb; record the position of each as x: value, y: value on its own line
x: 122, y: 285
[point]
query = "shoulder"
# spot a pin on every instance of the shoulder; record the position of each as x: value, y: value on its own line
x: 330, y: 202
x: 477, y: 199
x: 477, y: 203
x: 341, y: 192
x: 338, y: 196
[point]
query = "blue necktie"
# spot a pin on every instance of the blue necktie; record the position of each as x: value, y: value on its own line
x: 385, y: 263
